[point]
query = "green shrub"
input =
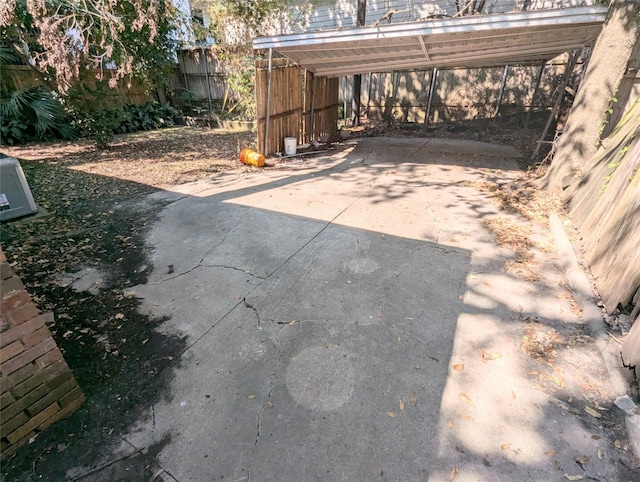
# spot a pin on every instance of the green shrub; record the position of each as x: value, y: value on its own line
x: 102, y: 125
x: 33, y: 114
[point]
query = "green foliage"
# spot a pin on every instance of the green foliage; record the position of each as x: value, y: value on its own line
x: 63, y: 38
x: 102, y: 125
x: 605, y: 122
x: 235, y: 22
x: 35, y: 114
x: 31, y: 114
x: 239, y: 101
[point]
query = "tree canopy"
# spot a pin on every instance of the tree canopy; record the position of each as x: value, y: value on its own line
x: 118, y: 38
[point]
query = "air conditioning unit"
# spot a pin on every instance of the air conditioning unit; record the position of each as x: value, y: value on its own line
x: 15, y: 196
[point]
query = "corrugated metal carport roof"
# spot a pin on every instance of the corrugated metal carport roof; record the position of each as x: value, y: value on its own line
x: 472, y: 41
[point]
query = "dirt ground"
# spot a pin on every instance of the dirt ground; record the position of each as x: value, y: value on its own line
x: 96, y: 220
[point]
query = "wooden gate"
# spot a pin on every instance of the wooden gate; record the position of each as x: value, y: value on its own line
x: 292, y: 102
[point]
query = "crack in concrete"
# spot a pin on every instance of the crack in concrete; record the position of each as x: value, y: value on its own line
x: 253, y: 308
x: 235, y: 269
x: 201, y: 262
x: 278, y: 346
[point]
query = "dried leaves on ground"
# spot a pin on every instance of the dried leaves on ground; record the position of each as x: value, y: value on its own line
x: 154, y: 158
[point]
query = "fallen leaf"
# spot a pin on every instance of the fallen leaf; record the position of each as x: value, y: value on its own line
x: 414, y: 400
x: 157, y: 474
x: 459, y: 449
x: 573, y: 477
x: 145, y: 341
x: 292, y: 322
x: 485, y: 357
x: 450, y: 424
x: 251, y: 397
x: 466, y: 398
x: 596, y: 437
x: 617, y: 444
x: 600, y: 453
x: 467, y: 417
x: 458, y: 367
x: 391, y: 414
x: 592, y: 412
x: 454, y: 472
x: 401, y: 404
x: 550, y: 453
x: 582, y: 461
x: 119, y: 316
x: 513, y: 394
x: 505, y: 446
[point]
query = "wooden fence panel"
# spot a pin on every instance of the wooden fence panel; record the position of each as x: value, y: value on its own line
x: 285, y: 106
x: 301, y: 105
x: 321, y: 102
x: 20, y: 77
x: 458, y: 93
x: 605, y: 207
x: 202, y: 74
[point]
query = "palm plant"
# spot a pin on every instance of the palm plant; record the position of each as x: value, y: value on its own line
x: 31, y: 113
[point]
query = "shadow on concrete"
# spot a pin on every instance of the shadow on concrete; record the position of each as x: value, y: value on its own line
x: 354, y: 321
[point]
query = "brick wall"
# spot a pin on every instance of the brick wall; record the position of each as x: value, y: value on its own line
x: 37, y: 387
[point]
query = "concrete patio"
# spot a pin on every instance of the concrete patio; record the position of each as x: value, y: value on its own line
x: 350, y: 318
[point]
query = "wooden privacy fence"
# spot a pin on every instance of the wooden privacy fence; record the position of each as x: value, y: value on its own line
x: 18, y: 77
x: 605, y: 207
x: 456, y: 94
x: 202, y: 74
x: 292, y: 102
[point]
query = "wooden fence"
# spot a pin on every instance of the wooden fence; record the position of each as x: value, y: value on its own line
x: 457, y: 94
x: 19, y: 77
x: 321, y: 107
x: 291, y: 102
x: 202, y: 74
x: 605, y: 207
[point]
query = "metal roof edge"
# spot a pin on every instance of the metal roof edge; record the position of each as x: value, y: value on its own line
x: 560, y: 16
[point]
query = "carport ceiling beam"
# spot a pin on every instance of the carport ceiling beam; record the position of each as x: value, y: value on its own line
x: 424, y: 48
x: 474, y: 41
x: 466, y: 60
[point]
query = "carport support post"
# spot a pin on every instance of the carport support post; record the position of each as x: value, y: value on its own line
x: 312, y: 115
x: 431, y: 87
x: 266, y: 118
x: 504, y: 82
x: 357, y: 79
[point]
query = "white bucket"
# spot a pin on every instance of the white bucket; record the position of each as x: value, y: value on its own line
x: 290, y: 146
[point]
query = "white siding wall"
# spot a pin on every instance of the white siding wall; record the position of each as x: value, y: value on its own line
x: 333, y: 14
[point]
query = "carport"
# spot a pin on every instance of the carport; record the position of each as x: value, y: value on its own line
x: 317, y: 59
